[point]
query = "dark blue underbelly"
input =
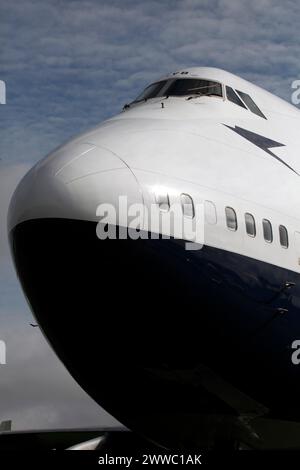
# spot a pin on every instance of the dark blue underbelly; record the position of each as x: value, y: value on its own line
x: 137, y: 322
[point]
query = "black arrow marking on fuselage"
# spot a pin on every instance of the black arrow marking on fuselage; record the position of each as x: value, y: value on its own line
x: 260, y: 141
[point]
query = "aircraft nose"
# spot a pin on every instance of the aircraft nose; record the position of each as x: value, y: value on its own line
x: 71, y: 183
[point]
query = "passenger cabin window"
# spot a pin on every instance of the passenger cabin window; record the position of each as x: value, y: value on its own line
x: 283, y: 236
x: 210, y: 212
x: 233, y: 97
x: 267, y: 229
x: 187, y: 206
x: 250, y: 103
x: 250, y: 224
x: 163, y: 202
x: 231, y: 219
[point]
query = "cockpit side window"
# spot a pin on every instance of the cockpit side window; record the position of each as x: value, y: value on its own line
x: 250, y: 103
x: 151, y: 91
x: 194, y: 86
x: 233, y: 97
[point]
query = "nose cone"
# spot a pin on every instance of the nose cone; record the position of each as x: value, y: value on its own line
x: 70, y: 184
x: 39, y: 195
x: 59, y: 259
x: 108, y: 306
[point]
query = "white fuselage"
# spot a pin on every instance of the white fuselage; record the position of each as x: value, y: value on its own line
x: 217, y: 324
x: 185, y: 147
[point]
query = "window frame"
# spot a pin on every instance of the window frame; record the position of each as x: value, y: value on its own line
x: 270, y: 225
x: 285, y: 246
x: 239, y: 102
x: 183, y: 205
x: 233, y: 229
x: 138, y: 99
x: 208, y: 204
x: 253, y: 106
x: 248, y: 214
x: 163, y: 199
x: 174, y: 80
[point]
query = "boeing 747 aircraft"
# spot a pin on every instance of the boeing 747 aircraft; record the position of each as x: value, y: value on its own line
x: 186, y: 347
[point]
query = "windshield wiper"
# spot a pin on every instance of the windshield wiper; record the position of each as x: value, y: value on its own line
x: 198, y: 94
x: 201, y: 93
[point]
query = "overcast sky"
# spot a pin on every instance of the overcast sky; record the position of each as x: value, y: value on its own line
x: 69, y: 64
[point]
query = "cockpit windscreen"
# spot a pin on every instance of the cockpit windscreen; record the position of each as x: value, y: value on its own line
x: 152, y: 91
x: 181, y: 87
x: 193, y: 86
